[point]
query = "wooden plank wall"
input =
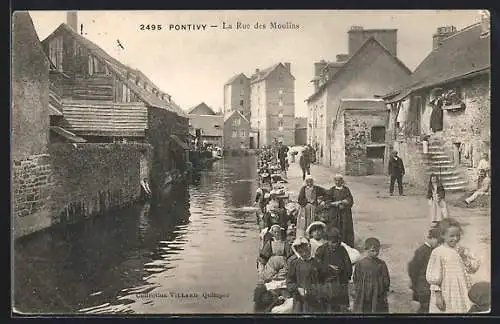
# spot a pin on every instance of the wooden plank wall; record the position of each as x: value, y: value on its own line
x: 97, y: 87
x: 89, y: 117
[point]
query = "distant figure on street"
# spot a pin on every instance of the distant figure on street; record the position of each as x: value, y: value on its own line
x: 305, y: 162
x: 396, y: 171
x: 417, y: 269
x: 282, y: 156
x: 312, y: 153
x: 483, y: 168
x: 482, y: 191
x: 435, y: 197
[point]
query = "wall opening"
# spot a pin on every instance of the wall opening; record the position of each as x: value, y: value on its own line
x: 375, y: 156
x: 378, y: 134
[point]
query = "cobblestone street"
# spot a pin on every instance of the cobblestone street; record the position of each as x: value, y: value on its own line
x: 401, y: 223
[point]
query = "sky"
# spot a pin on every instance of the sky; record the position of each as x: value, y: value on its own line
x: 193, y: 65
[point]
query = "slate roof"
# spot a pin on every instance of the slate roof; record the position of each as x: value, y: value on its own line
x: 207, y: 124
x: 201, y: 109
x: 265, y: 73
x: 234, y: 78
x: 460, y: 55
x: 352, y: 59
x: 121, y: 70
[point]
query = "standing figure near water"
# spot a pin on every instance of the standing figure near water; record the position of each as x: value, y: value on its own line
x: 340, y: 211
x: 308, y: 201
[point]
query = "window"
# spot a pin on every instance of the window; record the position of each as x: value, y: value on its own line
x: 280, y: 102
x: 236, y: 122
x: 91, y: 65
x: 378, y: 134
x: 124, y: 93
x: 280, y: 123
x: 242, y: 93
x: 234, y: 134
x: 243, y: 133
x: 241, y: 102
x: 56, y: 52
x: 281, y: 91
x: 241, y: 82
x: 280, y: 115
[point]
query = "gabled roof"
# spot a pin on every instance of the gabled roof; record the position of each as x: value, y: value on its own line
x: 120, y: 69
x: 460, y: 55
x: 234, y: 78
x: 352, y: 59
x: 265, y: 73
x: 211, y: 125
x: 232, y: 113
x: 201, y: 109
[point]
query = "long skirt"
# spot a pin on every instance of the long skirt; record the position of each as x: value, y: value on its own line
x: 304, y: 219
x: 437, y: 210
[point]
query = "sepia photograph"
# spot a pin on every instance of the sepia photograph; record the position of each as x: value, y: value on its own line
x: 250, y: 162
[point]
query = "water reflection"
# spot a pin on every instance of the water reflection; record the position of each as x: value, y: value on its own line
x: 196, y: 242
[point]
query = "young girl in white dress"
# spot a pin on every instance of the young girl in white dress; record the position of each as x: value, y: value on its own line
x: 448, y: 271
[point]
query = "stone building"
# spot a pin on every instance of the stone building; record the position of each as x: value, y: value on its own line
x: 237, y: 95
x: 448, y: 99
x: 300, y: 130
x: 105, y: 101
x: 361, y: 74
x: 272, y: 104
x: 236, y: 131
x: 359, y: 137
x: 206, y: 124
x: 30, y: 128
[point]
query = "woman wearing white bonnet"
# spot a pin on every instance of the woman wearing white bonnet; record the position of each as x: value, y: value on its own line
x: 308, y: 201
x: 340, y: 211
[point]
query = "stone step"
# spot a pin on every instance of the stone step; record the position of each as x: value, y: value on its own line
x: 453, y: 181
x: 444, y: 174
x: 456, y: 188
x: 439, y: 162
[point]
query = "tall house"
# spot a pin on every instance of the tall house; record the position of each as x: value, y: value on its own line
x: 357, y: 36
x: 272, y: 104
x: 237, y: 95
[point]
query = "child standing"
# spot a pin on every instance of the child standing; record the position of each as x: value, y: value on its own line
x: 371, y: 281
x: 418, y: 267
x: 435, y: 197
x: 316, y: 233
x: 302, y: 278
x: 448, y: 271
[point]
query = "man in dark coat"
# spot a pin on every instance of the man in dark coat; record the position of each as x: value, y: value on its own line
x: 396, y: 171
x: 417, y: 269
x: 282, y: 155
x: 305, y: 162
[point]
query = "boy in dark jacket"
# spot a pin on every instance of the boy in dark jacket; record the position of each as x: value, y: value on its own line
x: 417, y: 269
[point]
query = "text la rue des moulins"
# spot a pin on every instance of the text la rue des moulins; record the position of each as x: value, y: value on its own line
x: 224, y: 25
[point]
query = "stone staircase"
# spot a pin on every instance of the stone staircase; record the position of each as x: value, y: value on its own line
x: 439, y: 160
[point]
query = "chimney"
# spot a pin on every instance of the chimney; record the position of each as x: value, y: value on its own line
x: 318, y: 67
x: 287, y: 65
x: 342, y: 57
x: 357, y: 36
x: 257, y: 71
x: 441, y: 34
x: 72, y: 20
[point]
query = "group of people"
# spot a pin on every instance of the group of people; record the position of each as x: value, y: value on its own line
x: 308, y: 262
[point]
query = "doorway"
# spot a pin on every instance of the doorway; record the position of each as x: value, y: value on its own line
x: 252, y: 142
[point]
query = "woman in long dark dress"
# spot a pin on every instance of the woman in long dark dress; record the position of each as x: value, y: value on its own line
x: 308, y: 201
x: 341, y: 202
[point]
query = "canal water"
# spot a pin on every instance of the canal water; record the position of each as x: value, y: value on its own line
x: 195, y: 254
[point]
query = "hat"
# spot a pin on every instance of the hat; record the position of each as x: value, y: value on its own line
x: 300, y: 241
x: 314, y: 225
x: 276, y: 225
x: 338, y: 176
x: 480, y: 293
x: 309, y: 177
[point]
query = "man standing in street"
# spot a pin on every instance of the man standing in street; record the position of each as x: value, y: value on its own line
x: 282, y: 155
x: 305, y: 162
x: 396, y: 171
